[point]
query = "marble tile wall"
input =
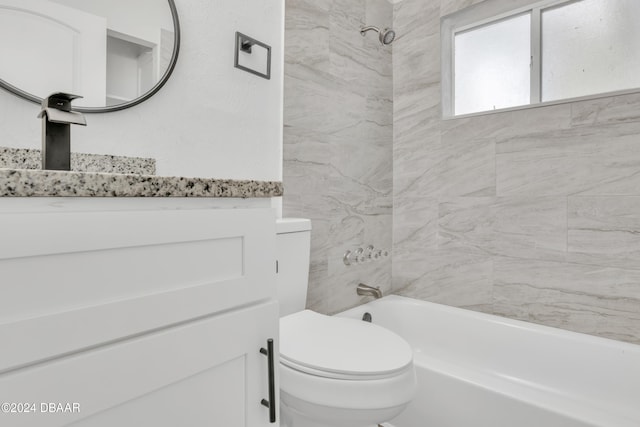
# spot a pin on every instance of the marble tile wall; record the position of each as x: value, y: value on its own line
x: 530, y: 214
x: 338, y: 139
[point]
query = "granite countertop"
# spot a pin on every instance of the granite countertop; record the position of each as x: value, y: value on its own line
x: 45, y: 183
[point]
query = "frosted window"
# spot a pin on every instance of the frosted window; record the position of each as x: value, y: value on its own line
x: 492, y: 66
x: 590, y: 47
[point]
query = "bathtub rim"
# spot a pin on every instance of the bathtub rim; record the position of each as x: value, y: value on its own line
x: 581, y: 407
x: 498, y: 319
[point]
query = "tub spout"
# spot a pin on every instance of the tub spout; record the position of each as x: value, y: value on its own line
x: 366, y: 290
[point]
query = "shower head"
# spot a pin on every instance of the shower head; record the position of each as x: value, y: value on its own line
x: 386, y: 36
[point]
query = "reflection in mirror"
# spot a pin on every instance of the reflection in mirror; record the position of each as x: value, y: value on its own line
x: 114, y: 53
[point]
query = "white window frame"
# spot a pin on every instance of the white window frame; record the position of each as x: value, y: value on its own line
x: 491, y: 12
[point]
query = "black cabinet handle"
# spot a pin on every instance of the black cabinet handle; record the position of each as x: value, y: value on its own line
x: 271, y: 403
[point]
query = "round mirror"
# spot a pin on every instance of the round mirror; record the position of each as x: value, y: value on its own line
x: 113, y: 53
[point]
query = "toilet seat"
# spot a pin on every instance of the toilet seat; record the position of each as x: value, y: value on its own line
x: 341, y: 348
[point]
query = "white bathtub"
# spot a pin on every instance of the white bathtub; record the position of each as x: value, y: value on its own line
x: 478, y: 370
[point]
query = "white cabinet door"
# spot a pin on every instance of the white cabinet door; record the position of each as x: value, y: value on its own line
x: 76, y: 280
x: 208, y: 372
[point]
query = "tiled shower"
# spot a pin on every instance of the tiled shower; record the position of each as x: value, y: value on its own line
x: 530, y: 214
x: 338, y: 137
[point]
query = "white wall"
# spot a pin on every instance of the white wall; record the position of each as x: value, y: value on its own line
x: 210, y: 119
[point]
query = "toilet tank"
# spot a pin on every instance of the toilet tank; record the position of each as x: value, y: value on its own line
x: 293, y: 245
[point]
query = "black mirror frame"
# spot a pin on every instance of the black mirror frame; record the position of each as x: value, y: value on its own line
x: 174, y: 59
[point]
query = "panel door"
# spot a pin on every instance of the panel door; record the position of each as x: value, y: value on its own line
x: 77, y: 280
x: 208, y: 372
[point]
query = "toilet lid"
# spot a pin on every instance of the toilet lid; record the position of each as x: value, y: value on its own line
x: 338, y: 347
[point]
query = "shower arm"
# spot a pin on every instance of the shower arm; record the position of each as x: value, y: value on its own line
x: 363, y: 30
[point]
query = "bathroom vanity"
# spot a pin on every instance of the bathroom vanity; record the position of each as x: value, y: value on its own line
x: 136, y: 311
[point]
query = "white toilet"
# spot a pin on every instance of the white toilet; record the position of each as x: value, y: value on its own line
x: 334, y: 371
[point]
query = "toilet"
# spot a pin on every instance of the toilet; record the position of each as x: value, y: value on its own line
x: 334, y: 371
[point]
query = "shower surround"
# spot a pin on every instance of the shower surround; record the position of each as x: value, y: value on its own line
x: 338, y: 141
x: 530, y: 214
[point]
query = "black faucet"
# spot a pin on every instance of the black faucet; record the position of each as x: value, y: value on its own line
x: 57, y: 119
